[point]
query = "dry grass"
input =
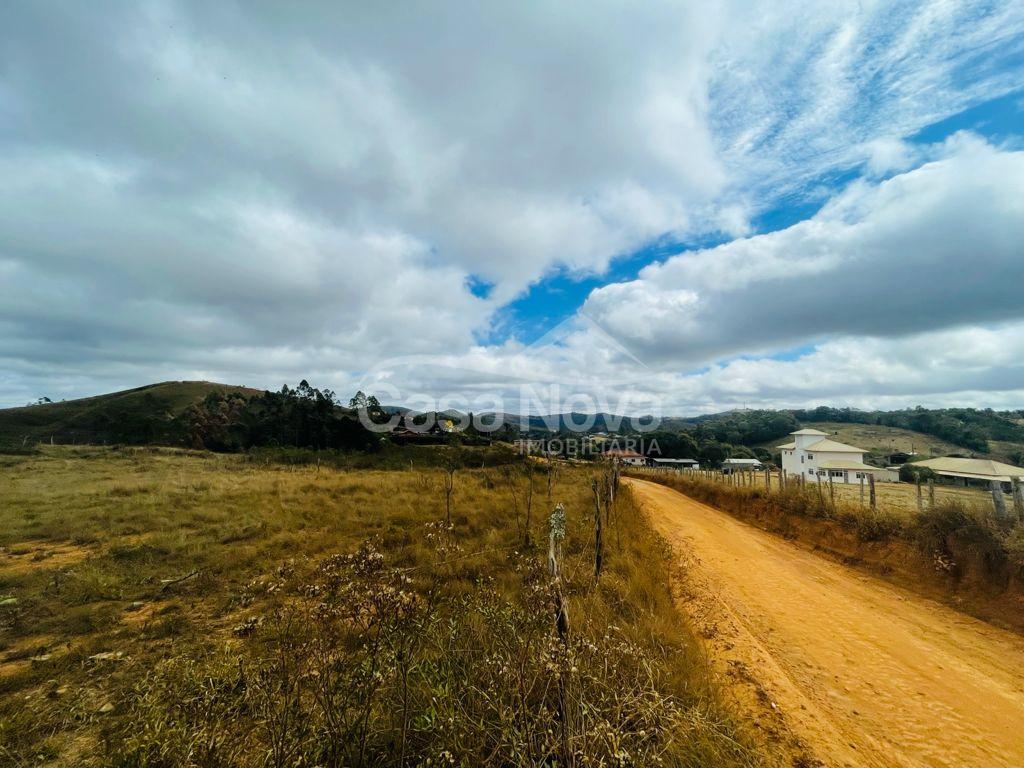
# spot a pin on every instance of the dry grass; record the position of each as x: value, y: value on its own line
x: 901, y: 498
x: 152, y: 602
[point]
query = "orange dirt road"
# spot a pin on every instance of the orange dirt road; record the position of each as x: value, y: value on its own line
x: 838, y: 666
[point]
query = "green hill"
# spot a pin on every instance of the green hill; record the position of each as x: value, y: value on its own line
x: 142, y: 415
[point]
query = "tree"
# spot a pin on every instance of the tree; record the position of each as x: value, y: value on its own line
x: 713, y: 453
x: 911, y: 473
x: 368, y: 404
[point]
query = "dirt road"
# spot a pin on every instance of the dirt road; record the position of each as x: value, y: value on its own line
x: 839, y: 666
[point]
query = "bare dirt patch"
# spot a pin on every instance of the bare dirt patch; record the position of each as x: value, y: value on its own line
x: 22, y: 559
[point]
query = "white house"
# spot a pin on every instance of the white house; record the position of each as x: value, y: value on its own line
x: 814, y: 456
x: 628, y: 457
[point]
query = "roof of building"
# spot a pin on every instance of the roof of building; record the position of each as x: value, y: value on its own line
x: 619, y: 453
x: 742, y: 461
x: 809, y: 432
x: 987, y: 469
x: 833, y: 447
x: 674, y: 461
x: 787, y: 446
x: 858, y: 466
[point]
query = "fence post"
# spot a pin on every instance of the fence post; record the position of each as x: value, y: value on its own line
x: 598, y: 543
x: 931, y: 493
x: 862, y: 489
x: 871, y: 489
x: 920, y: 499
x: 998, y: 502
x: 556, y: 532
x: 1018, y: 499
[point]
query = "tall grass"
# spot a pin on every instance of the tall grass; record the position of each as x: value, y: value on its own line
x: 219, y: 611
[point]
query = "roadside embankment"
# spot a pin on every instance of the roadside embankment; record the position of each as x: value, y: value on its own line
x: 953, y: 552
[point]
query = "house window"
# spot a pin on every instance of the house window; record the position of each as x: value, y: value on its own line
x: 835, y: 473
x: 801, y: 459
x: 810, y: 456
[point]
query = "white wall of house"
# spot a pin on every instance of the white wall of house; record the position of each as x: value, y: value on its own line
x: 803, y: 459
x: 800, y: 461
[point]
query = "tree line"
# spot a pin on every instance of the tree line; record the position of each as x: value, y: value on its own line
x: 300, y: 417
x: 970, y: 427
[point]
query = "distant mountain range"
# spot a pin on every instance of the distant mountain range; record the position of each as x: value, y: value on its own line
x: 152, y: 409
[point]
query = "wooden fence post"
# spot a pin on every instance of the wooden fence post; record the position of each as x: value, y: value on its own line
x: 998, y: 502
x: 556, y: 532
x: 931, y: 493
x: 871, y: 491
x: 598, y: 543
x: 862, y: 489
x: 1018, y: 499
x: 920, y: 499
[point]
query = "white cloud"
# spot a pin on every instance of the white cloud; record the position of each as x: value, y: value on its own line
x: 935, y: 247
x: 188, y: 189
x: 810, y: 86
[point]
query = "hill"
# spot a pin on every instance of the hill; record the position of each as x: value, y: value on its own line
x: 968, y: 430
x: 929, y: 432
x: 141, y: 415
x: 882, y: 440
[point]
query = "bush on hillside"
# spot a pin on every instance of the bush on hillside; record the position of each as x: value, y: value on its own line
x: 952, y: 530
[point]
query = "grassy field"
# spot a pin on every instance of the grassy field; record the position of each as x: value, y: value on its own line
x: 901, y: 498
x: 171, y: 608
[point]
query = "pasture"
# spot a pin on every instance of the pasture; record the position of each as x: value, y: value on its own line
x: 164, y: 607
x: 895, y: 498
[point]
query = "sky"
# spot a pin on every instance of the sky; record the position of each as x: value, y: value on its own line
x: 684, y: 206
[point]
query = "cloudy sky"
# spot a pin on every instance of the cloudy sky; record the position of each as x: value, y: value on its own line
x: 694, y: 203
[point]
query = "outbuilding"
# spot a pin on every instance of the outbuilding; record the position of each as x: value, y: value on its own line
x: 974, y: 471
x: 675, y: 463
x: 740, y: 465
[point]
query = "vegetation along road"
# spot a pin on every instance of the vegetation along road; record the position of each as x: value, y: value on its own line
x: 843, y: 668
